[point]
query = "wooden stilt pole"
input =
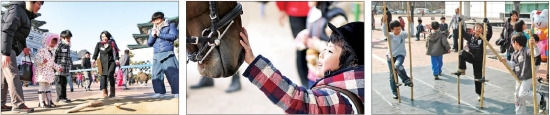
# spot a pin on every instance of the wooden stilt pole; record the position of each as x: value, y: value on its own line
x: 484, y: 55
x: 410, y: 50
x: 460, y: 46
x: 391, y: 53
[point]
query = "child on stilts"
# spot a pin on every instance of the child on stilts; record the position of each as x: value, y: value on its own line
x: 397, y: 39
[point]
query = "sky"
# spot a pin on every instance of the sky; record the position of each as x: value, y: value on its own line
x: 86, y: 20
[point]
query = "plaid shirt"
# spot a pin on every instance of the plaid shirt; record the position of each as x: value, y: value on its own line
x: 294, y: 99
x: 63, y: 58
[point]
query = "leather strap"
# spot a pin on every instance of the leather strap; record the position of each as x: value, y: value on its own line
x: 356, y: 101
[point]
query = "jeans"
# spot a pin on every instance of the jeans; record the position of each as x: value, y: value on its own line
x: 401, y: 72
x: 70, y: 81
x: 125, y: 74
x: 437, y: 64
x: 165, y: 63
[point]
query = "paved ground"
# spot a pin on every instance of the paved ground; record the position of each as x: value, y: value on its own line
x: 133, y: 101
x: 440, y: 96
x: 267, y: 38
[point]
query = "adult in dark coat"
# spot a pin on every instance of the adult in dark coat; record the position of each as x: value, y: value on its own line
x: 16, y: 26
x: 109, y: 60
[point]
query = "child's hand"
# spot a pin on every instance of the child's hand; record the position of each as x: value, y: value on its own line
x: 248, y: 55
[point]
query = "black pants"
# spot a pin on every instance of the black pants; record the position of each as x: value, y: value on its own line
x: 477, y: 65
x: 104, y: 81
x: 298, y: 24
x: 61, y: 87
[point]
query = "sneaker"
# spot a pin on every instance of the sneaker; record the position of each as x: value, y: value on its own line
x: 23, y: 109
x: 6, y: 108
x: 67, y: 100
x: 409, y: 83
x: 436, y: 77
x: 459, y: 72
x: 478, y: 98
x: 394, y: 96
x: 176, y: 95
x: 158, y: 95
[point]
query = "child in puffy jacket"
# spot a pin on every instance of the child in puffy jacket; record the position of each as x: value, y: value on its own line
x: 45, y: 70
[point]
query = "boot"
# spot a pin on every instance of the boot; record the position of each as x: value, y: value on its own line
x: 112, y: 94
x: 204, y: 82
x: 104, y: 93
x: 52, y: 105
x: 459, y: 72
x: 235, y: 84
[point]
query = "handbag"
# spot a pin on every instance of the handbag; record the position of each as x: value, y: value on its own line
x: 99, y: 67
x: 26, y: 71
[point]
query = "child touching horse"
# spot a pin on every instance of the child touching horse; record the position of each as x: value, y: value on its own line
x: 45, y: 70
x: 340, y: 91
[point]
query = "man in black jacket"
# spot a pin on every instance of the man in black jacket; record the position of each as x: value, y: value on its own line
x: 16, y: 26
x: 87, y: 64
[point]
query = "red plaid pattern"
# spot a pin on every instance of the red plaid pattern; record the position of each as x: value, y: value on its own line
x: 294, y: 99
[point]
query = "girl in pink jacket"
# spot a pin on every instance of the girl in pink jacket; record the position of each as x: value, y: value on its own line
x: 45, y: 66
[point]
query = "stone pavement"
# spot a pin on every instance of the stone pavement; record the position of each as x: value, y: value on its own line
x: 133, y: 101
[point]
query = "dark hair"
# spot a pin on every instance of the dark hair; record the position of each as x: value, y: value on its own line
x: 351, y: 38
x: 399, y: 17
x: 478, y: 24
x: 65, y: 34
x: 41, y: 2
x: 514, y: 12
x: 87, y: 53
x: 518, y: 27
x: 419, y: 20
x: 536, y: 37
x: 435, y: 25
x: 157, y: 15
x: 347, y: 50
x: 107, y: 34
x: 126, y: 51
x: 519, y: 38
x: 443, y: 17
x: 394, y: 24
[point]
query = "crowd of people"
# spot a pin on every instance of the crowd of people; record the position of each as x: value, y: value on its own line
x: 52, y: 63
x: 514, y: 42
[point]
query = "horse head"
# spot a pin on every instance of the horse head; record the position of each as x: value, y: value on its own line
x: 218, y: 52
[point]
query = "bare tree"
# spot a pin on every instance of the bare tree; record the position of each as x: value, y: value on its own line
x: 516, y: 7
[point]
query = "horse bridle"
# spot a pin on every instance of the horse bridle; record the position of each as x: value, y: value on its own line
x: 210, y: 37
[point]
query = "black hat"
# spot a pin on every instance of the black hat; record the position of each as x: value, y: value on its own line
x: 354, y: 35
